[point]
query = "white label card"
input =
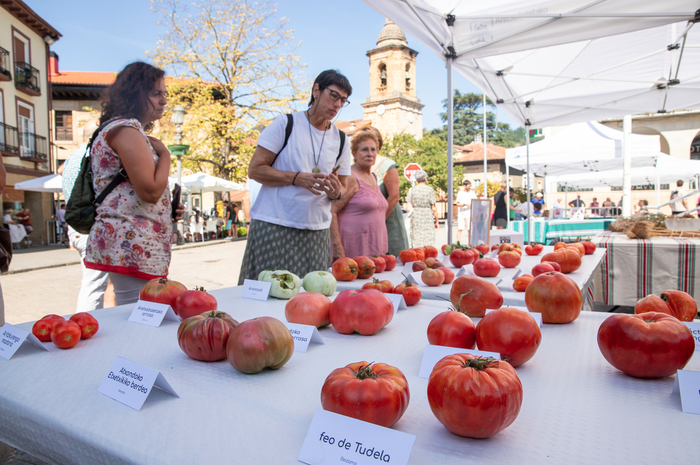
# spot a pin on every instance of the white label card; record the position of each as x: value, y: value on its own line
x: 303, y: 335
x: 334, y: 439
x: 130, y: 383
x: 152, y: 313
x: 397, y: 301
x: 535, y: 315
x: 688, y: 384
x: 434, y: 354
x: 416, y: 278
x: 256, y: 290
x: 12, y: 337
x: 695, y: 329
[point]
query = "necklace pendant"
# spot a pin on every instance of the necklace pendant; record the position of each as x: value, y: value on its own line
x: 316, y: 170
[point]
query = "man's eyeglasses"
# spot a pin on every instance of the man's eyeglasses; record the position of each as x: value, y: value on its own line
x: 335, y: 96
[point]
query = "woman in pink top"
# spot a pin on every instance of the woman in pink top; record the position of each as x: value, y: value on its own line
x: 359, y: 226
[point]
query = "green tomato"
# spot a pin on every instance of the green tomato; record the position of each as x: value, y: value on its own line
x: 285, y: 284
x: 321, y: 282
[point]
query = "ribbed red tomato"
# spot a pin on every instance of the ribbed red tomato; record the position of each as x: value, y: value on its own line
x: 512, y: 333
x: 681, y: 304
x: 407, y: 256
x: 648, y: 345
x: 204, y: 337
x: 373, y: 392
x: 452, y: 329
x: 475, y: 397
x: 162, y: 290
x: 568, y: 259
x: 554, y: 295
x: 384, y: 286
x: 364, y: 311
x: 260, y: 343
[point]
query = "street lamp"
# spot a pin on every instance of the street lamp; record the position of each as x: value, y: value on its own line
x: 179, y: 150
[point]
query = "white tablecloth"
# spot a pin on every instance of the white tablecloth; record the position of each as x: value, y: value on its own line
x: 577, y: 409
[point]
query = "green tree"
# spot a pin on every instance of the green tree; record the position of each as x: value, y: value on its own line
x: 468, y: 120
x: 231, y: 64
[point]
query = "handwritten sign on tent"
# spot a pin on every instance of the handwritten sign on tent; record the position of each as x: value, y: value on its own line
x: 410, y: 171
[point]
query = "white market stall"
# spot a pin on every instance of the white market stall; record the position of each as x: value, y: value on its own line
x: 50, y: 183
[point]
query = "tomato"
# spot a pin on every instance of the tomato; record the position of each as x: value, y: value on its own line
x: 65, y: 334
x: 410, y: 292
x: 419, y: 266
x: 204, y: 337
x: 542, y: 268
x: 681, y: 304
x: 494, y: 247
x: 554, y: 295
x: 385, y: 286
x: 379, y: 262
x: 372, y: 392
x: 88, y: 324
x: 443, y: 249
x: 390, y: 261
x: 486, y: 267
x: 407, y: 256
x: 589, y: 247
x: 559, y: 245
x: 578, y: 246
x: 461, y: 257
x: 162, y: 291
x: 651, y: 303
x: 430, y: 251
x: 309, y: 308
x: 449, y: 275
x: 521, y: 282
x: 534, y: 249
x: 510, y: 248
x: 512, y: 333
x: 420, y: 253
x: 650, y: 345
x: 555, y: 265
x: 365, y: 267
x: 433, y: 263
x: 509, y: 259
x: 42, y: 328
x: 322, y: 282
x: 363, y: 311
x: 568, y: 259
x: 482, y: 248
x: 473, y: 296
x: 260, y: 343
x: 475, y: 397
x: 344, y: 269
x: 194, y: 302
x: 433, y: 277
x: 452, y: 329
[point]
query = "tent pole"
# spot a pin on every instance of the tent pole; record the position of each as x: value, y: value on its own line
x: 450, y: 128
x: 507, y: 196
x: 626, y: 165
x: 486, y: 179
x: 530, y: 236
x: 658, y: 184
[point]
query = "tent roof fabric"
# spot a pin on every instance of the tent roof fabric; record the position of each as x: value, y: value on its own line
x: 50, y: 183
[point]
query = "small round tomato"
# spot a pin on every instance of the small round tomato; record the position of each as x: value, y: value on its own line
x: 344, y: 269
x: 486, y: 268
x: 407, y: 256
x: 410, y: 292
x: 42, y: 328
x: 309, y: 308
x: 449, y: 275
x: 419, y: 266
x: 379, y: 262
x: 88, y: 324
x: 461, y: 257
x: 534, y: 249
x: 512, y: 333
x: 193, y: 302
x: 65, y: 334
x: 482, y: 248
x: 589, y: 247
x: 521, y: 282
x: 365, y: 267
x: 372, y: 392
x: 390, y: 261
x: 385, y: 286
x: 452, y: 329
x: 433, y: 277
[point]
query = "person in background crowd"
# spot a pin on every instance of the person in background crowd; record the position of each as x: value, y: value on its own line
x: 608, y: 207
x: 557, y: 209
x: 464, y: 205
x: 230, y: 217
x: 514, y: 207
x: 131, y: 236
x: 679, y: 206
x: 539, y: 198
x: 387, y: 174
x: 576, y: 205
x: 7, y: 218
x: 196, y: 226
x: 25, y: 219
x: 424, y: 220
x: 500, y: 213
x: 61, y: 222
x: 294, y: 201
x: 642, y: 207
x: 359, y: 217
x: 594, y: 206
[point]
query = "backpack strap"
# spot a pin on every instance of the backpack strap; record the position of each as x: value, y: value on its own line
x: 287, y: 133
x: 342, y: 144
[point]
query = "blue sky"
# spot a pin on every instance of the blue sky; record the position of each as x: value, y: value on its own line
x: 106, y: 35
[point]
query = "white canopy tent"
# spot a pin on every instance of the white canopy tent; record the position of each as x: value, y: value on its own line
x: 549, y: 62
x: 50, y: 183
x: 204, y: 182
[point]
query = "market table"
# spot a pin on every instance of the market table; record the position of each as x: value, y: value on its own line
x: 583, y: 277
x: 577, y: 409
x: 547, y: 230
x: 635, y: 268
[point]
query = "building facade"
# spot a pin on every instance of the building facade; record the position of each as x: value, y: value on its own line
x: 25, y: 105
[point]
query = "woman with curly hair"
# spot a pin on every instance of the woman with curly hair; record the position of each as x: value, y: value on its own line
x: 132, y: 232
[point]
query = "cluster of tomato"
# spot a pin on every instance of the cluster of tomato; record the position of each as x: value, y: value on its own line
x: 184, y: 302
x: 65, y: 333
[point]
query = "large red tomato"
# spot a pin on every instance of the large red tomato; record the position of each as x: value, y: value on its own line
x: 162, y: 291
x: 390, y: 261
x: 651, y: 303
x: 509, y: 259
x: 681, y: 304
x: 204, y: 337
x: 420, y: 253
x: 486, y: 268
x: 568, y: 259
x: 344, y: 269
x: 407, y: 256
x: 65, y: 334
x: 475, y: 397
x: 649, y: 345
x: 260, y: 343
x: 473, y: 296
x: 88, y: 324
x: 433, y: 277
x: 379, y: 262
x: 308, y: 308
x: 512, y: 333
x: 365, y: 267
x: 372, y: 392
x: 452, y: 329
x: 364, y: 311
x: 430, y: 251
x: 554, y: 295
x: 461, y: 257
x: 193, y: 302
x: 410, y: 292
x: 384, y: 286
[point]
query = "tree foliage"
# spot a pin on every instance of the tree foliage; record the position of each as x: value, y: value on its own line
x: 468, y: 121
x: 430, y: 153
x: 231, y: 64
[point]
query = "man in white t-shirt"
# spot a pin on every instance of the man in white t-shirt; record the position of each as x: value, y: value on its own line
x: 679, y: 206
x: 464, y: 202
x: 557, y: 209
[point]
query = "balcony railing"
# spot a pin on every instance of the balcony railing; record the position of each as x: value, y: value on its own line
x: 32, y: 147
x: 8, y: 139
x: 27, y: 79
x: 5, y: 74
x: 64, y: 133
